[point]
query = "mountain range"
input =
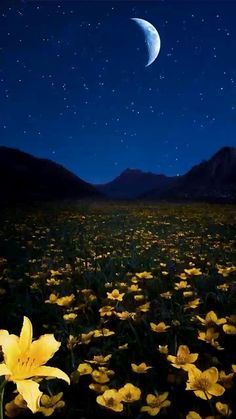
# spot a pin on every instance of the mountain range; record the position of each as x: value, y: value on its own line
x: 26, y: 178
x: 211, y: 180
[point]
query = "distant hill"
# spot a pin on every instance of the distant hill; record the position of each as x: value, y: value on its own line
x: 26, y: 178
x: 211, y: 180
x: 132, y: 183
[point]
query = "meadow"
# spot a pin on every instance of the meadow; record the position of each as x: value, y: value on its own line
x: 141, y: 297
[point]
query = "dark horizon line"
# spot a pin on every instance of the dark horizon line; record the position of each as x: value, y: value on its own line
x: 128, y: 168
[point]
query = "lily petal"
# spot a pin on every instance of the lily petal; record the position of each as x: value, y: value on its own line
x: 4, y: 370
x: 3, y: 336
x: 11, y: 350
x: 51, y: 372
x: 30, y: 393
x: 44, y: 348
x: 26, y: 335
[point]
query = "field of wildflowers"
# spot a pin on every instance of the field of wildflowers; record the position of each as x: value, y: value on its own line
x: 125, y: 310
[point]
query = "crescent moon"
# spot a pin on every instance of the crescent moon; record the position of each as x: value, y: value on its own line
x: 152, y: 39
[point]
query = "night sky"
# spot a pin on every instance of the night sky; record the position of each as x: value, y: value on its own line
x: 74, y: 87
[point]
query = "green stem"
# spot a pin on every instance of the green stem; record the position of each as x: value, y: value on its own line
x: 210, y: 405
x: 2, y: 387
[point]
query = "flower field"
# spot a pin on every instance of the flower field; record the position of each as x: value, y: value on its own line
x: 118, y: 310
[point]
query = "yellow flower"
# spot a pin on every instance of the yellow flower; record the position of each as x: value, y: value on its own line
x: 226, y: 379
x: 48, y: 404
x: 100, y: 359
x: 159, y: 328
x: 182, y: 275
x: 187, y: 294
x: 139, y: 297
x: 100, y: 377
x: 111, y: 399
x: 210, y: 318
x: 234, y: 368
x: 183, y: 358
x: 144, y: 307
x: 156, y: 403
x: 65, y: 301
x: 204, y: 383
x: 144, y: 275
x: 115, y: 295
x: 71, y: 342
x: 24, y: 360
x: 70, y: 317
x: 223, y: 409
x: 181, y: 285
x: 52, y: 299
x: 193, y: 415
x: 167, y: 295
x: 193, y: 271
x: 209, y: 336
x: 102, y: 333
x: 53, y: 281
x: 84, y: 369
x: 141, y: 368
x: 85, y: 338
x: 134, y: 288
x: 165, y: 273
x: 226, y: 271
x: 122, y: 347
x: 163, y: 349
x: 106, y: 311
x: 15, y: 407
x: 129, y: 393
x: 192, y: 304
x: 125, y: 315
x: 223, y: 287
x: 98, y: 388
x: 229, y: 329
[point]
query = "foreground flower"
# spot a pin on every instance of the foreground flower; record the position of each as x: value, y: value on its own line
x: 24, y: 360
x: 193, y: 271
x: 223, y: 409
x: 211, y: 318
x: 111, y: 399
x: 159, y: 328
x: 156, y: 403
x: 144, y: 275
x: 15, y: 407
x: 50, y: 403
x: 192, y: 304
x: 115, y: 295
x: 204, y: 383
x: 209, y: 336
x: 129, y: 393
x: 141, y: 368
x: 183, y: 357
x: 84, y: 369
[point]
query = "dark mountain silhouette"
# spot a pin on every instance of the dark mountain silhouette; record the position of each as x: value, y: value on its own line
x: 211, y: 180
x: 132, y: 183
x: 24, y: 178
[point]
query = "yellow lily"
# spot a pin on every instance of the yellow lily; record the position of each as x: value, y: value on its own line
x: 24, y: 360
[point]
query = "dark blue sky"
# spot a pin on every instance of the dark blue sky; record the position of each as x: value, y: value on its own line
x: 74, y: 87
